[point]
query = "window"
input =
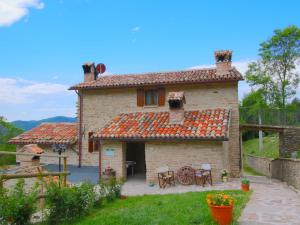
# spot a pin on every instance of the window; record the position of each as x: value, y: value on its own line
x: 151, y: 97
x: 94, y: 145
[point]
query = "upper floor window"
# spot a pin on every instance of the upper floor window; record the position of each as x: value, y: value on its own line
x: 151, y: 97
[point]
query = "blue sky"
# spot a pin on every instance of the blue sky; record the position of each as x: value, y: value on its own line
x: 43, y: 43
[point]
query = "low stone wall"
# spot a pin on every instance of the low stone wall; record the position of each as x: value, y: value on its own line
x: 284, y: 169
x: 287, y: 170
x: 260, y: 164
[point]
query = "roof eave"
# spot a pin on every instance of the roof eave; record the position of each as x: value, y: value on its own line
x: 162, y: 139
x: 156, y: 84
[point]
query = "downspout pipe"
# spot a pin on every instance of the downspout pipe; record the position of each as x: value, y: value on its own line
x: 80, y: 128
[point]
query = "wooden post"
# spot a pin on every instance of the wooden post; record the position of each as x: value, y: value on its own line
x: 242, y: 155
x: 1, y: 181
x: 65, y: 171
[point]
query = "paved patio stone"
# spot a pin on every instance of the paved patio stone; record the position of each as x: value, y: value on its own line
x: 272, y: 203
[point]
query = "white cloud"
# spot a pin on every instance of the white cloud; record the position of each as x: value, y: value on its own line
x: 20, y: 91
x: 136, y: 29
x: 13, y: 10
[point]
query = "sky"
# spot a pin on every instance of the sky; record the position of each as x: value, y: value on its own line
x: 43, y: 43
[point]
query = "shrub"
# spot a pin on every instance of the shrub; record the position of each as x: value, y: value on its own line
x: 17, y: 206
x: 110, y: 190
x: 67, y: 203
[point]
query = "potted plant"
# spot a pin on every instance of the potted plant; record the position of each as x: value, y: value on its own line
x: 224, y: 176
x: 245, y: 184
x: 221, y: 207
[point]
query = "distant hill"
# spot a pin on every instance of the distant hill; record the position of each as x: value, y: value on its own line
x: 27, y: 125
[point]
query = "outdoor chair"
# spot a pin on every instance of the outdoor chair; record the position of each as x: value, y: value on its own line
x: 206, y: 171
x: 165, y: 176
x: 199, y: 177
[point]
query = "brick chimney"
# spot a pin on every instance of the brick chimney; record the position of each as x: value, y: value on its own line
x: 176, y: 101
x: 223, y: 60
x: 89, y: 70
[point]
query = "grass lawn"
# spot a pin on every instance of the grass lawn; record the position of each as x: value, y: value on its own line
x: 7, y: 159
x: 181, y: 209
x: 271, y: 147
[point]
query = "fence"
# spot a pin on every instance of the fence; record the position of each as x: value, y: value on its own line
x: 63, y: 175
x: 288, y: 117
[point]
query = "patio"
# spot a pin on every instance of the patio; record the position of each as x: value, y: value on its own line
x: 137, y: 186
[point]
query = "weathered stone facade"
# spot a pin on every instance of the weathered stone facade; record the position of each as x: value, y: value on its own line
x: 175, y: 155
x: 100, y: 106
x: 289, y: 141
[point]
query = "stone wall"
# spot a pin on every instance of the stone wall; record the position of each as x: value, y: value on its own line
x: 260, y: 164
x: 287, y: 170
x: 100, y: 106
x: 289, y: 141
x: 115, y: 159
x: 173, y: 154
x: 284, y: 169
x: 70, y: 152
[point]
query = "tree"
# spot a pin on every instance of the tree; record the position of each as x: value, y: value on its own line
x: 274, y: 73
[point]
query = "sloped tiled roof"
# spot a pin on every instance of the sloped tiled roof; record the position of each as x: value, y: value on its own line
x: 210, y: 124
x: 163, y: 78
x: 48, y: 133
x: 32, y: 148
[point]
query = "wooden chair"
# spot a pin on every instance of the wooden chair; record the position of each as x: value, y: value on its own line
x: 165, y: 176
x: 206, y: 170
x: 199, y: 177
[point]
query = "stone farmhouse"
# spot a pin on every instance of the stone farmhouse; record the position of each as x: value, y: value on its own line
x: 179, y: 118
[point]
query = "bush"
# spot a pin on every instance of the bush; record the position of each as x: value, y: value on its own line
x: 17, y: 206
x: 67, y: 203
x: 110, y: 190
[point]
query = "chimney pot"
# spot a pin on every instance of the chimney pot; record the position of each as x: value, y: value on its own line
x: 223, y: 60
x: 89, y: 70
x: 176, y: 101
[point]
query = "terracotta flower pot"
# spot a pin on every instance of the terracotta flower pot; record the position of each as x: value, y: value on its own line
x: 221, y: 214
x: 245, y: 187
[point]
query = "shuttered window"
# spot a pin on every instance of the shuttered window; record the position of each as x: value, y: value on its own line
x: 151, y: 97
x: 94, y: 146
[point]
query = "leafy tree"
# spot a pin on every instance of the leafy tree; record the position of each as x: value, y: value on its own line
x: 274, y: 73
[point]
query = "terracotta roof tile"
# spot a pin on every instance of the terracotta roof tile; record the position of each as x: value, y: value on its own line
x: 210, y: 124
x: 48, y: 133
x: 163, y: 78
x: 32, y: 148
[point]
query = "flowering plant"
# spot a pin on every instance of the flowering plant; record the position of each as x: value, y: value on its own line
x: 224, y: 173
x: 219, y: 199
x: 245, y: 182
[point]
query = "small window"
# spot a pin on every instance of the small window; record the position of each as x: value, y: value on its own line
x: 151, y: 97
x: 94, y: 146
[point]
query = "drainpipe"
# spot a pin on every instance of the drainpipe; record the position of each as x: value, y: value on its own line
x: 80, y: 129
x: 99, y: 169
